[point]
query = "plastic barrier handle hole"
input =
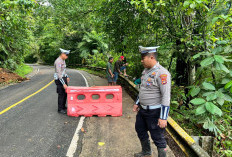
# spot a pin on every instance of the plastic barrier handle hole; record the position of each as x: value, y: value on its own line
x: 81, y: 97
x: 109, y: 96
x: 95, y: 96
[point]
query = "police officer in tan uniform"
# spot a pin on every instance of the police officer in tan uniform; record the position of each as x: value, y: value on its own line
x: 152, y: 103
x: 61, y: 79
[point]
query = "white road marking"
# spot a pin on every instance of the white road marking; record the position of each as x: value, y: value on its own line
x: 37, y: 71
x: 86, y: 82
x: 73, y: 146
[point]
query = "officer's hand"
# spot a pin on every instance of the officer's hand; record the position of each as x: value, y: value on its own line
x: 65, y: 86
x: 68, y: 79
x: 162, y: 123
x: 112, y: 75
x: 135, y: 108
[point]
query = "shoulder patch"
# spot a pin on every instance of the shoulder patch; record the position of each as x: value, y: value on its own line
x: 163, y: 79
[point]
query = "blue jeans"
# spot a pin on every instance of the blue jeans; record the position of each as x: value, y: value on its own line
x: 122, y: 68
x: 115, y: 76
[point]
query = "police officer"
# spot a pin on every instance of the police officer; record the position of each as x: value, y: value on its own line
x: 61, y: 80
x: 152, y: 103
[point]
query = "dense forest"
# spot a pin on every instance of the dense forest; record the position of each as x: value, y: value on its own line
x: 194, y: 38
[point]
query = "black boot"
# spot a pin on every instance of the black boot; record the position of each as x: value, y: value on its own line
x: 146, y: 149
x: 162, y: 152
x: 62, y: 111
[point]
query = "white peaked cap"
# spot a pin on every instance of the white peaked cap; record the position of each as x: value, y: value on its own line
x: 64, y: 51
x: 148, y: 49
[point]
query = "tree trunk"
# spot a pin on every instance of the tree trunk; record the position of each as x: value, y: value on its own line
x: 181, y: 72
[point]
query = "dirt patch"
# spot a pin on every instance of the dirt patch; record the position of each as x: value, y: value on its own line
x: 7, y: 76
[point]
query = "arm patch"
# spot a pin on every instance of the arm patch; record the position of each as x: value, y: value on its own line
x: 163, y: 78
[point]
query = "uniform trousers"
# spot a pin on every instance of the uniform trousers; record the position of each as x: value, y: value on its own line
x: 147, y: 120
x: 62, y: 95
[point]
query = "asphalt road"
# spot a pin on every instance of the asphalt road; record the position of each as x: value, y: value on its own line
x: 33, y: 128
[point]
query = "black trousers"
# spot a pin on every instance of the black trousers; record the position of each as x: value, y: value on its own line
x: 62, y: 95
x: 147, y: 120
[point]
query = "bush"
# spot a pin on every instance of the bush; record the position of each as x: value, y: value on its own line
x: 9, y: 64
x: 31, y: 59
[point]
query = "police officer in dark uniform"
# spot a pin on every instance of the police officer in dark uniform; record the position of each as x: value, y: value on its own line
x: 152, y: 103
x: 61, y: 79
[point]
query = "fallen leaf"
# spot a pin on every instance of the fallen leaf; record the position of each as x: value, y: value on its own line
x: 82, y: 130
x: 58, y: 146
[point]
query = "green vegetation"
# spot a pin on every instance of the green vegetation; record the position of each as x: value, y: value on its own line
x: 16, y: 27
x: 23, y: 70
x: 98, y: 73
x: 194, y: 35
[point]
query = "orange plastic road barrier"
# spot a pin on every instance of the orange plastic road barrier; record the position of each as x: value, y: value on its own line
x: 98, y: 100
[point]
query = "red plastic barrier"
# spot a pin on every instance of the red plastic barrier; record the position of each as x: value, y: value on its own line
x: 98, y: 100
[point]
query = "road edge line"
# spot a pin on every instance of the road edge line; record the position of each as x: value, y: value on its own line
x: 73, y: 145
x: 86, y: 82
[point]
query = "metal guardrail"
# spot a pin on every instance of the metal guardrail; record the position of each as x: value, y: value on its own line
x: 185, y: 142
